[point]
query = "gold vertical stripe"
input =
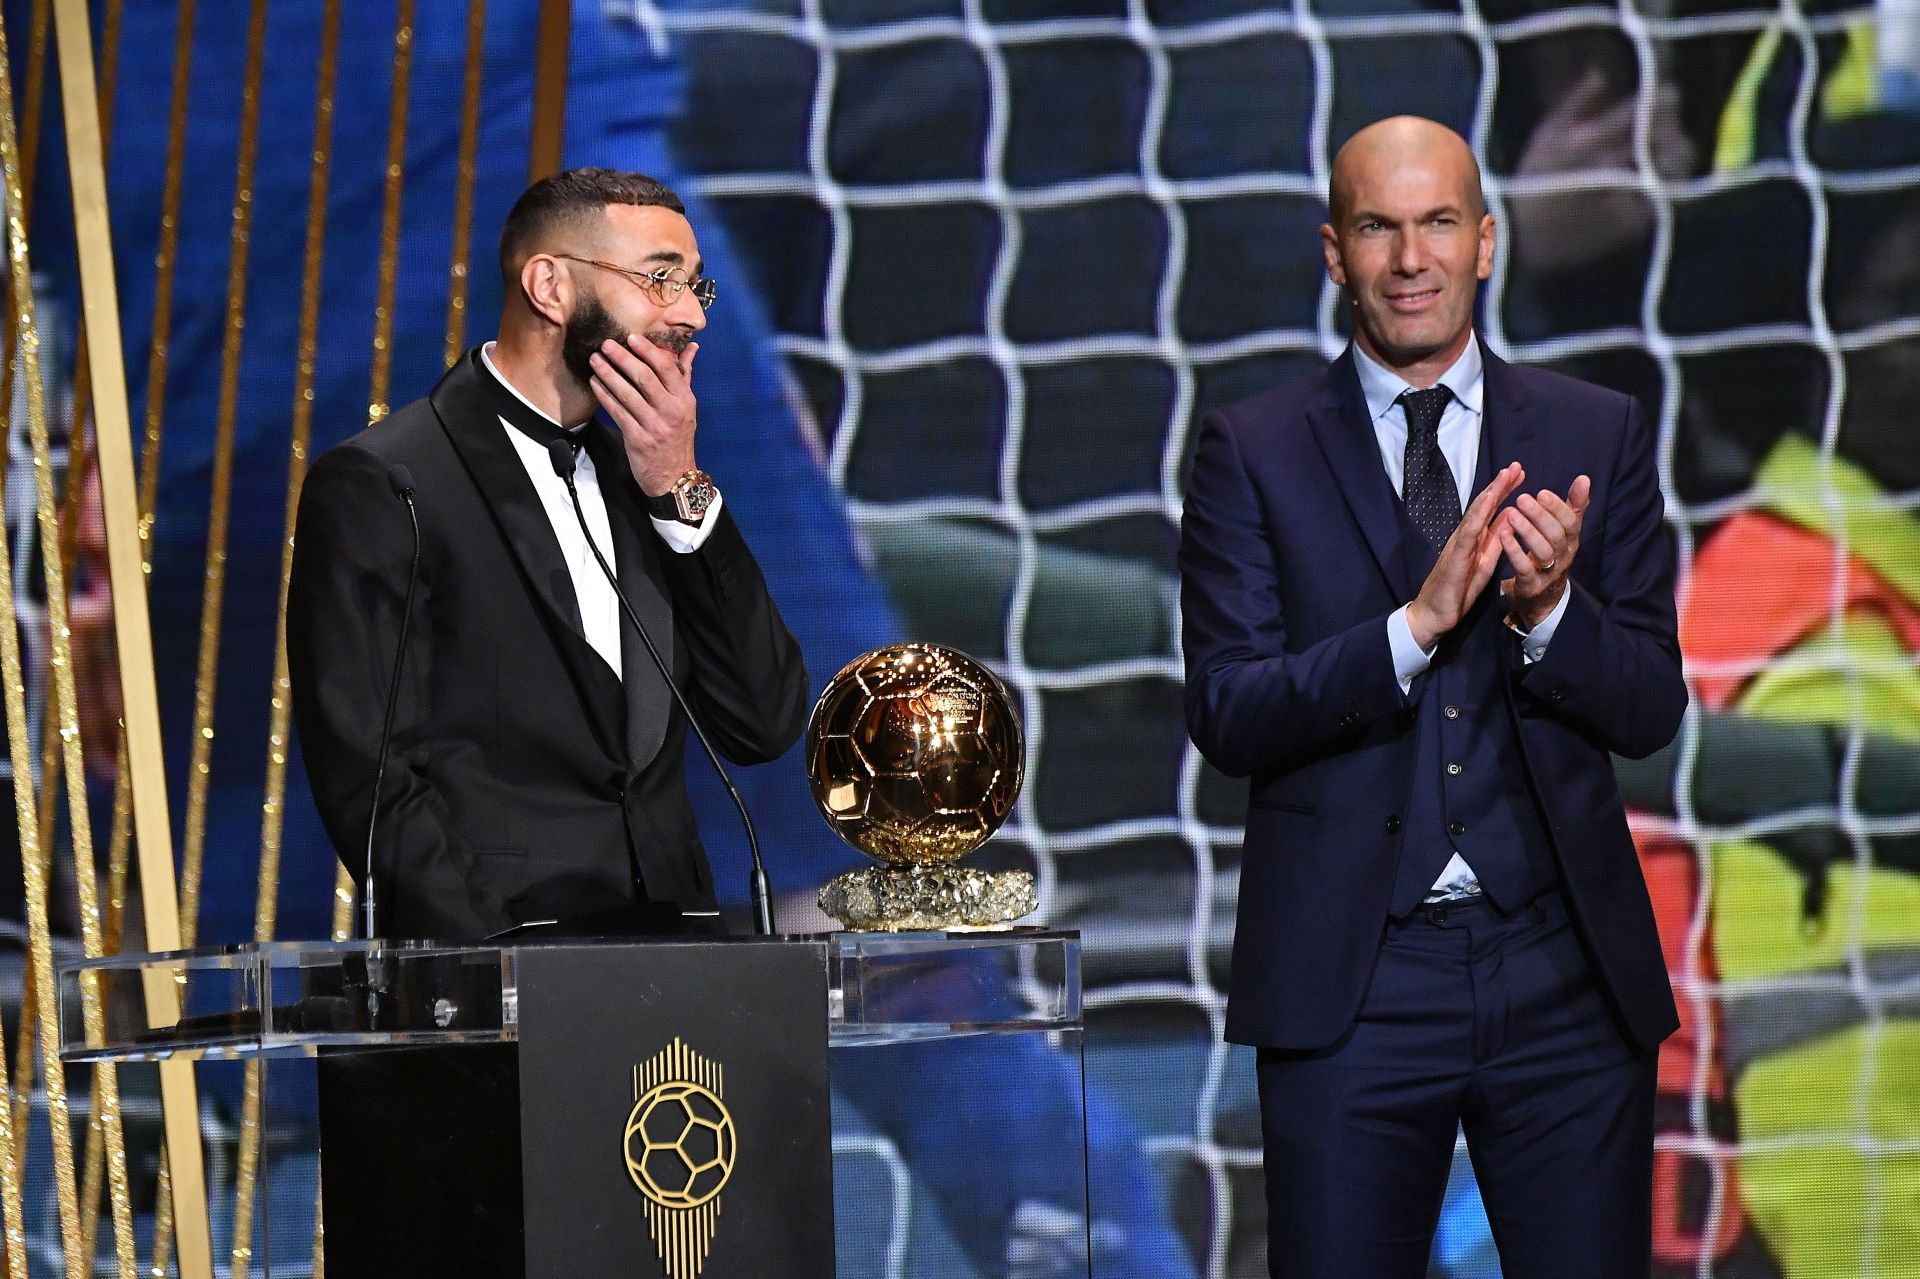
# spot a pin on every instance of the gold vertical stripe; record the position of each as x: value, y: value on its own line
x: 33, y: 854
x: 213, y: 588
x: 166, y: 256
x: 273, y: 808
x: 463, y: 182
x: 114, y: 912
x: 342, y: 904
x: 246, y: 1175
x: 34, y: 97
x: 88, y: 109
x: 390, y: 211
x: 15, y: 1114
x: 548, y: 142
x: 146, y: 766
x: 96, y: 1173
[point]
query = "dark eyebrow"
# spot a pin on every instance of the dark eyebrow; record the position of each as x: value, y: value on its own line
x: 1364, y: 216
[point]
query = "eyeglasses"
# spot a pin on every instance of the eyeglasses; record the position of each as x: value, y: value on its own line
x: 663, y: 284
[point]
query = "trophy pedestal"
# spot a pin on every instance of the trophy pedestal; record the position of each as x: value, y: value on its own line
x: 904, y: 899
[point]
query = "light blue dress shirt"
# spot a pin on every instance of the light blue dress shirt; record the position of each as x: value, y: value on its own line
x: 1460, y: 445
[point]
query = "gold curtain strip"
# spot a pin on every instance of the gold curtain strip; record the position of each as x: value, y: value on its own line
x: 549, y: 90
x: 165, y: 258
x: 463, y: 185
x: 266, y: 899
x: 105, y: 1099
x: 383, y: 316
x: 112, y: 928
x: 50, y: 754
x: 377, y: 407
x: 33, y: 102
x: 213, y: 591
x: 34, y: 94
x: 133, y: 636
x: 33, y: 853
x: 106, y: 1151
x: 390, y: 210
x: 96, y: 1175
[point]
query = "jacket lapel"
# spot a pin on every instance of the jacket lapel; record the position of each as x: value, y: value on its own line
x: 466, y: 415
x: 1513, y: 428
x: 636, y: 556
x: 1345, y: 434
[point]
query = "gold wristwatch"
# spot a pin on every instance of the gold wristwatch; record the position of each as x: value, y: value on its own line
x: 688, y: 499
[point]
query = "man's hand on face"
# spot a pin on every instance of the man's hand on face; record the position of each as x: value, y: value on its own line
x: 648, y: 395
x: 1466, y: 563
x: 1541, y: 535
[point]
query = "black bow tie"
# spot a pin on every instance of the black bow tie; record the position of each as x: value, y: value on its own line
x: 521, y: 416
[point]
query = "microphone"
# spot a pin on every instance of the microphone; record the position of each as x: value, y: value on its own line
x: 401, y: 481
x: 760, y: 890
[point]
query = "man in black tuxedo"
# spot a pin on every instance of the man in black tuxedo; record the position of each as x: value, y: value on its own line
x: 536, y: 768
x: 1442, y: 920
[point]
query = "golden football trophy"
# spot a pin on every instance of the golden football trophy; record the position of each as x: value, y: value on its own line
x: 916, y: 756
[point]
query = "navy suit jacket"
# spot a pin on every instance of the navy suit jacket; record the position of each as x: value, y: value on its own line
x: 1292, y: 557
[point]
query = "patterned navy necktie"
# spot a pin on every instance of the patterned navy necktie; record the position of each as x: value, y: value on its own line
x: 1431, y: 496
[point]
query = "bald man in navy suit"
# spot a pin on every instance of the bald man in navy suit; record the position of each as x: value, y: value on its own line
x: 1426, y: 594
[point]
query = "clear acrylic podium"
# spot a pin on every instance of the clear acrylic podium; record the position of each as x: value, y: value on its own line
x: 956, y: 1060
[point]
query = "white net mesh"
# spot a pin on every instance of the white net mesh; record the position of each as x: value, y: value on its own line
x: 1011, y: 258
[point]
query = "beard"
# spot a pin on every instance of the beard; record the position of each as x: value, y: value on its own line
x: 591, y: 325
x: 587, y: 328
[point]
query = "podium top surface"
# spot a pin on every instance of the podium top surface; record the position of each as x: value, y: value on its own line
x: 295, y: 997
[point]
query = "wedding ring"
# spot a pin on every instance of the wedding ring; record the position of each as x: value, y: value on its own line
x: 1548, y: 566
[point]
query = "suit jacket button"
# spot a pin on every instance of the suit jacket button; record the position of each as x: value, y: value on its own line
x: 1458, y: 828
x: 1557, y: 694
x: 1393, y: 825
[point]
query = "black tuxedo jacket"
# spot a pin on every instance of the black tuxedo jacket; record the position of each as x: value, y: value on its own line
x: 1291, y: 560
x: 526, y: 780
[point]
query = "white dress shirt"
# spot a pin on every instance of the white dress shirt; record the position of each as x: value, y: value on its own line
x: 599, y: 606
x: 1459, y: 443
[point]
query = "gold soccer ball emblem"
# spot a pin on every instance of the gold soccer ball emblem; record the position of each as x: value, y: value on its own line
x: 915, y: 754
x: 680, y: 1145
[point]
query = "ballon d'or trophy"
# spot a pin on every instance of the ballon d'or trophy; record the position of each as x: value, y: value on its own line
x: 916, y: 757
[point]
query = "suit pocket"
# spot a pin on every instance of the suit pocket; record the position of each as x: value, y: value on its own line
x: 1284, y: 806
x: 500, y: 852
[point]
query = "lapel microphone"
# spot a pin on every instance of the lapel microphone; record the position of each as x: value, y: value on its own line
x: 759, y: 888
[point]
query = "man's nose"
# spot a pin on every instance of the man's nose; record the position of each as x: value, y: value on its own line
x: 687, y: 311
x: 1409, y: 256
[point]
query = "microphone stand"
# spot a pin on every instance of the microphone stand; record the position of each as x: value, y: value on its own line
x: 401, y: 481
x: 760, y: 889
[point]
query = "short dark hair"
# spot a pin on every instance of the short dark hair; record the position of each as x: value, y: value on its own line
x: 569, y: 197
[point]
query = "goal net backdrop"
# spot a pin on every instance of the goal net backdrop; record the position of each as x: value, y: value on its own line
x: 1012, y: 253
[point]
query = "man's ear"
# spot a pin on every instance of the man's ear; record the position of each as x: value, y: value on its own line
x: 1330, y: 249
x: 548, y: 288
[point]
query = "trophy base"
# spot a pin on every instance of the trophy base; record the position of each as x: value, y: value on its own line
x: 928, y: 899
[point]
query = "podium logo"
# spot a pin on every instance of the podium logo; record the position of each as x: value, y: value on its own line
x: 680, y: 1151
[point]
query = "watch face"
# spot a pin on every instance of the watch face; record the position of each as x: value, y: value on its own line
x: 694, y: 494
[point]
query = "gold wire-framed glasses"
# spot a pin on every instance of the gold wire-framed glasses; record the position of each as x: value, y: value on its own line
x: 663, y: 284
